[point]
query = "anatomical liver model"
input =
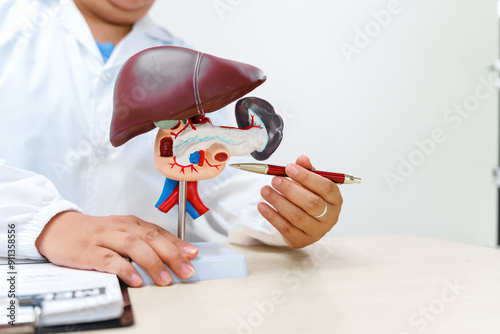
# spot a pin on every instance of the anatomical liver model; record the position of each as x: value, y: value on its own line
x: 173, y: 89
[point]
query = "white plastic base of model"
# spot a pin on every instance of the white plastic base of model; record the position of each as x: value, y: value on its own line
x: 214, y: 261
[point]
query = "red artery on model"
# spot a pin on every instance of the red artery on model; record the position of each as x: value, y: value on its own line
x: 194, y: 205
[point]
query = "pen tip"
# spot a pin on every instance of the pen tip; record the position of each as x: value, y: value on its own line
x: 349, y: 179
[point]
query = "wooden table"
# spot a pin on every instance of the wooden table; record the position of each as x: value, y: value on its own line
x: 390, y: 285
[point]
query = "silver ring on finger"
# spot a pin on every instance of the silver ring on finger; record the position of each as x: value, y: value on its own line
x: 324, y: 211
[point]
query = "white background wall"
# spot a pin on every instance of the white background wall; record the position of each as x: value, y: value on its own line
x: 363, y: 114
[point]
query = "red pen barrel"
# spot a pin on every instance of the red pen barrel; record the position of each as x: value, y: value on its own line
x: 280, y: 171
x: 275, y: 170
x: 335, y: 177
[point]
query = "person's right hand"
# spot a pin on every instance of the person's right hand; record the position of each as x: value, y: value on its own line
x: 79, y: 241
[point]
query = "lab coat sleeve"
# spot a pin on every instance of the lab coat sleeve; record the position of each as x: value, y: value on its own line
x: 28, y: 201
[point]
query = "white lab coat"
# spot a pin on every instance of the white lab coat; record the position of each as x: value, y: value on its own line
x: 56, y: 106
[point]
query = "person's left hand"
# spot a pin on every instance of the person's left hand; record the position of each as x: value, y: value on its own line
x: 296, y: 202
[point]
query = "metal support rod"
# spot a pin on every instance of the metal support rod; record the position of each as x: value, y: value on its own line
x: 181, y: 226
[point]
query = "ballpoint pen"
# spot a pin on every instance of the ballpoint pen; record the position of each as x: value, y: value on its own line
x: 280, y: 171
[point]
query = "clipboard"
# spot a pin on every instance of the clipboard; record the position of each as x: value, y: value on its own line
x: 85, y: 292
x: 127, y: 319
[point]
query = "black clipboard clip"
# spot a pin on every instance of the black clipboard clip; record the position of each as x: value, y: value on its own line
x: 26, y: 321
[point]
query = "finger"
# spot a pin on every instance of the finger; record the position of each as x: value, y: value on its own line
x: 170, y: 249
x: 289, y: 211
x: 305, y: 199
x: 166, y: 247
x: 149, y: 231
x: 134, y: 247
x: 304, y: 162
x: 325, y: 188
x: 171, y: 254
x: 189, y: 250
x: 293, y: 236
x: 106, y: 260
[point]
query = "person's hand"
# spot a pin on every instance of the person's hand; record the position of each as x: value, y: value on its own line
x: 296, y: 202
x: 100, y: 243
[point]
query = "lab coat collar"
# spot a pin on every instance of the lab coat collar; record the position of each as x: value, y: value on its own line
x: 74, y: 22
x: 145, y: 34
x: 149, y: 28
